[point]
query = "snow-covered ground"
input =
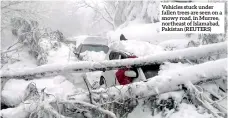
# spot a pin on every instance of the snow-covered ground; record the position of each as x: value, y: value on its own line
x: 14, y: 90
x: 60, y: 86
x: 185, y: 111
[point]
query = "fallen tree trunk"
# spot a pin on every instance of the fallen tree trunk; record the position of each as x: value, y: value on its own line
x: 196, y: 74
x: 86, y: 66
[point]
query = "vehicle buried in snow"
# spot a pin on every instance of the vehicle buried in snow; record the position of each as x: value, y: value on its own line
x: 121, y: 76
x: 91, y: 43
x: 126, y: 75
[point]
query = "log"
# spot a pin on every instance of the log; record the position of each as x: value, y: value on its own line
x: 196, y: 74
x: 87, y: 66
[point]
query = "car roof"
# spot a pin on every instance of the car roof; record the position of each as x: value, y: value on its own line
x: 96, y: 40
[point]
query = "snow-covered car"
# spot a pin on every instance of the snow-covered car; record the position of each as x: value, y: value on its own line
x: 115, y: 77
x: 93, y: 45
x: 91, y: 48
x: 118, y: 50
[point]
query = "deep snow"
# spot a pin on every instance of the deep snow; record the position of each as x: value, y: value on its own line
x: 185, y: 111
x: 13, y: 92
x: 144, y: 40
x: 146, y: 32
x: 138, y: 48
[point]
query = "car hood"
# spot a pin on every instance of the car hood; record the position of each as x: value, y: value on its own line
x: 92, y: 56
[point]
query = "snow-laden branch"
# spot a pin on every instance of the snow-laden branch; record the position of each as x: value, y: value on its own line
x: 111, y: 114
x: 197, y: 93
x: 96, y: 8
x: 87, y: 66
x: 37, y: 103
x: 10, y: 3
x: 196, y: 74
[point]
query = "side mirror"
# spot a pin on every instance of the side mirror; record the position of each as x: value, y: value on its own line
x: 130, y: 73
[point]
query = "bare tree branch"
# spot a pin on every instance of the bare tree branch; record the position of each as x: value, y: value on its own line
x: 11, y: 3
x: 96, y: 8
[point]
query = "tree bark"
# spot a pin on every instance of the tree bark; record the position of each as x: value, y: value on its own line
x: 192, y: 53
x: 196, y: 74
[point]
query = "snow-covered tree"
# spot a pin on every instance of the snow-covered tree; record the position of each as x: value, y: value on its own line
x: 118, y: 13
x: 28, y: 10
x: 22, y: 20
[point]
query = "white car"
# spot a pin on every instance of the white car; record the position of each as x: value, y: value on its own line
x: 91, y: 48
x: 109, y: 78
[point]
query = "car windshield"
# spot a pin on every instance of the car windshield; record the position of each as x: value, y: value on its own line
x: 96, y: 48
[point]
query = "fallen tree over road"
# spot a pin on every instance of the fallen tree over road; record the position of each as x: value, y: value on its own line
x: 86, y: 66
x: 196, y: 74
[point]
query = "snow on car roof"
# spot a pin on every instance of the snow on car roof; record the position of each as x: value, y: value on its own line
x: 136, y: 47
x: 95, y: 40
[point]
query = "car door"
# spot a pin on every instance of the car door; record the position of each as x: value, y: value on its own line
x: 110, y: 76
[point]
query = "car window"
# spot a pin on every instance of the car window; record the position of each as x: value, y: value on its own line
x: 150, y: 70
x: 124, y: 56
x: 114, y: 55
x: 117, y: 55
x: 96, y: 48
